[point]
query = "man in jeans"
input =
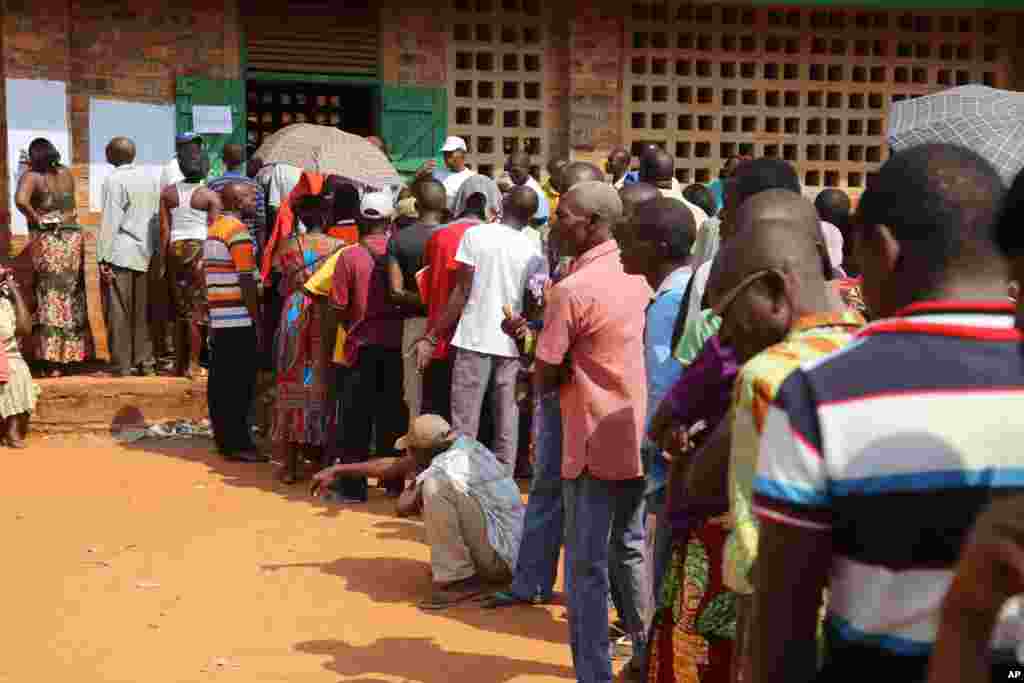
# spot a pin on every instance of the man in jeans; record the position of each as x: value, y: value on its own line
x: 230, y: 256
x: 371, y: 387
x: 495, y: 262
x: 596, y: 317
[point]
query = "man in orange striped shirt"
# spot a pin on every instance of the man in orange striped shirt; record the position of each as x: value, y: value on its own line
x: 235, y: 324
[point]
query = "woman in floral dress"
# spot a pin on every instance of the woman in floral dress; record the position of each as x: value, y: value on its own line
x: 46, y: 196
x: 301, y: 412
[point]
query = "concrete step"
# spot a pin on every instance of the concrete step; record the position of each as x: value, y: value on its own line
x: 105, y: 404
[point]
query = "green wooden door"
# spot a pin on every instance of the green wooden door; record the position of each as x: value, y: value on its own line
x: 192, y: 90
x: 413, y: 122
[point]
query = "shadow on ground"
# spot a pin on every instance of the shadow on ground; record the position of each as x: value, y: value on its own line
x: 424, y: 660
x: 408, y: 581
x: 261, y: 476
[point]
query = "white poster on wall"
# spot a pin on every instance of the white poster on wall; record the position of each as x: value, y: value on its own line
x: 35, y: 109
x: 213, y: 119
x: 149, y: 126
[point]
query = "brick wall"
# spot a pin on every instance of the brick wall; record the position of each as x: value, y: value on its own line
x: 594, y: 119
x: 413, y: 47
x: 127, y: 51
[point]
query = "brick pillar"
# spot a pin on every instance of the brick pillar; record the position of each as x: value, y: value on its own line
x: 5, y: 208
x: 557, y: 85
x: 595, y: 81
x: 413, y: 47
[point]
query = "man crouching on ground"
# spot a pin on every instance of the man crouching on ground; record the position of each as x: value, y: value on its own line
x: 472, y: 509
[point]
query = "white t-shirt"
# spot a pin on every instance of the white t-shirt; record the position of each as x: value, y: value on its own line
x: 283, y: 179
x: 452, y: 182
x: 171, y: 174
x: 504, y: 259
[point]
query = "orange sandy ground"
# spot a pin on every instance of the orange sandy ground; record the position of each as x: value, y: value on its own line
x: 162, y: 562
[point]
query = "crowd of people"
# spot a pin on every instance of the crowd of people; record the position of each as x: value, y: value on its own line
x: 762, y: 484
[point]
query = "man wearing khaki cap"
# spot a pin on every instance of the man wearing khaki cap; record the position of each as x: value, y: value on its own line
x: 471, y: 507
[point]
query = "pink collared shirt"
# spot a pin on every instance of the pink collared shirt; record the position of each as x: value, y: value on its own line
x: 595, y: 317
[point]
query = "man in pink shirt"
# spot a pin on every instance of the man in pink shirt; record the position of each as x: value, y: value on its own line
x: 592, y: 347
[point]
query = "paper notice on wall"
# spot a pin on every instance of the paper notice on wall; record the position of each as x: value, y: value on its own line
x: 35, y: 109
x: 212, y: 119
x: 149, y: 126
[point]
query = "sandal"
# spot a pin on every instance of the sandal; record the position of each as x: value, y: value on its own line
x: 443, y: 599
x: 505, y: 599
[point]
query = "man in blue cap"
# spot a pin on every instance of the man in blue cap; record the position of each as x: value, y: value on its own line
x: 171, y: 172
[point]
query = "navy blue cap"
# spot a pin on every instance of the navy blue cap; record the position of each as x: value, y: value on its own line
x: 184, y: 138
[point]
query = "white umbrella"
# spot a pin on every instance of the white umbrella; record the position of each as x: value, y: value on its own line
x: 988, y: 121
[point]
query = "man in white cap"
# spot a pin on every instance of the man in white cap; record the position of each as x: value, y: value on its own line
x: 455, y: 171
x: 371, y: 390
x: 472, y: 510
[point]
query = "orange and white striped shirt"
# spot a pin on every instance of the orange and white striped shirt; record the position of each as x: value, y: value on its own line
x: 229, y: 250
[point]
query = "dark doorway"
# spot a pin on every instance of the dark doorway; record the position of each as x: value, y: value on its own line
x: 272, y: 105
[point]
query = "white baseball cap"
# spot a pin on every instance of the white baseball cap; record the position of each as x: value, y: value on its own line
x: 377, y: 206
x: 453, y: 144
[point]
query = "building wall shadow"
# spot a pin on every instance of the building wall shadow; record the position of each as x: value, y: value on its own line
x: 396, y: 580
x: 424, y: 660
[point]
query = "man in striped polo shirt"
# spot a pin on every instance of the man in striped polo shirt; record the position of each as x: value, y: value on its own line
x: 230, y: 256
x: 877, y: 459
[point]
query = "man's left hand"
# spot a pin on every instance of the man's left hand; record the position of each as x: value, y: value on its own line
x: 106, y: 273
x: 424, y: 350
x: 322, y: 480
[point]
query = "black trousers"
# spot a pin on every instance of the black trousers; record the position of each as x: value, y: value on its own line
x: 231, y: 387
x: 272, y: 305
x: 371, y: 404
x: 437, y: 398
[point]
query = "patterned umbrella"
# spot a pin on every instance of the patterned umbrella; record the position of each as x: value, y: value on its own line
x: 329, y: 151
x: 987, y: 121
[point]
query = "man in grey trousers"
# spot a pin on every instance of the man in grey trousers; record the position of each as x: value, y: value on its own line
x: 495, y: 263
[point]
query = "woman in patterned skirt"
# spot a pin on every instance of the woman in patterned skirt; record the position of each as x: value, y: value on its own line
x: 46, y: 196
x: 301, y: 412
x: 695, y: 627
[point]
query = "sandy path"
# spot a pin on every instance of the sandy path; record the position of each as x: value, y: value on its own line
x: 162, y: 562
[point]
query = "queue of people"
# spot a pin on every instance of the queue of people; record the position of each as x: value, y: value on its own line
x: 764, y: 485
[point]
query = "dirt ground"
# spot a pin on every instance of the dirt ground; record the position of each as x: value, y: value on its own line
x: 161, y: 562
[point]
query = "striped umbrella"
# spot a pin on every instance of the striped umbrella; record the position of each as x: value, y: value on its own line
x: 988, y: 121
x: 329, y: 151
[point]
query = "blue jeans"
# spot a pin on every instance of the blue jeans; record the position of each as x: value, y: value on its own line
x: 537, y: 565
x: 604, y: 531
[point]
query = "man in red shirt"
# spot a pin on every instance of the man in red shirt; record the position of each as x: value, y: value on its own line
x: 435, y: 359
x: 593, y: 332
x: 371, y: 387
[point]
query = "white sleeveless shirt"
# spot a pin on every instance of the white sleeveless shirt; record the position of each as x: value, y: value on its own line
x: 187, y: 223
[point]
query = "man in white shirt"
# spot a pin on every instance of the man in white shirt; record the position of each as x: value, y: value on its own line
x: 518, y: 169
x: 472, y: 509
x: 171, y: 172
x: 128, y: 237
x: 658, y: 168
x: 495, y: 264
x: 455, y: 171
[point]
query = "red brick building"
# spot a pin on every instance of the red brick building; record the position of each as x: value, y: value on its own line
x: 809, y: 83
